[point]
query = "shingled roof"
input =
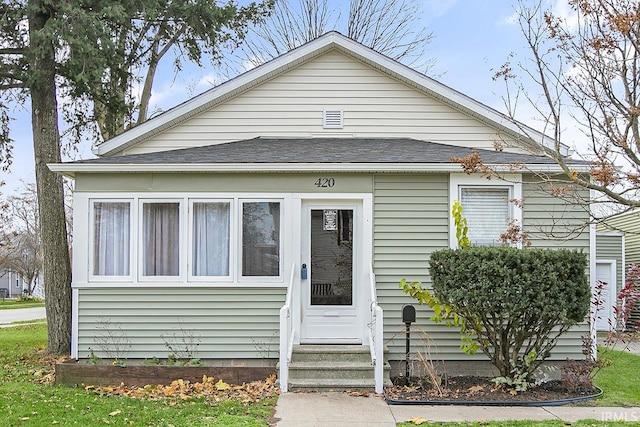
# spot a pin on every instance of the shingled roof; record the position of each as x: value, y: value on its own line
x: 318, y: 150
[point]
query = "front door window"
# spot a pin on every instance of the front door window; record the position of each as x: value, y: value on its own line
x: 332, y: 257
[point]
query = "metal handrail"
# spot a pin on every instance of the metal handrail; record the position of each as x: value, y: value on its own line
x: 287, y: 333
x: 376, y: 334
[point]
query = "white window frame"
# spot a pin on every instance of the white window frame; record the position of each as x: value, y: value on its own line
x: 181, y: 240
x: 238, y: 267
x: 83, y: 206
x: 132, y: 265
x: 460, y: 180
x: 232, y: 241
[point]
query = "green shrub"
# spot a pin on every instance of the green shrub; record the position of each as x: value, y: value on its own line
x: 29, y: 298
x: 516, y: 302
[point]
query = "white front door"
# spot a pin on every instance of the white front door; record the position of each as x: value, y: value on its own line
x: 606, y: 274
x: 331, y: 293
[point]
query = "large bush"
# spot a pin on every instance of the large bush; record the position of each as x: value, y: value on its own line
x: 515, y: 302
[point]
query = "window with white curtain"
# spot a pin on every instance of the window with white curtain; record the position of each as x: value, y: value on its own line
x: 487, y: 210
x: 204, y: 240
x: 210, y: 238
x: 161, y: 239
x: 111, y: 238
x: 261, y: 239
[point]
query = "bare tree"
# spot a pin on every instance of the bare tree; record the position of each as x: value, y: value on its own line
x: 21, y: 242
x: 585, y: 72
x: 391, y: 27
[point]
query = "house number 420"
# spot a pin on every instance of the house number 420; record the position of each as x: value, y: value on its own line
x: 325, y: 182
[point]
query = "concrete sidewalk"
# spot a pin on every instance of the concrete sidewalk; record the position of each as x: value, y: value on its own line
x: 341, y: 409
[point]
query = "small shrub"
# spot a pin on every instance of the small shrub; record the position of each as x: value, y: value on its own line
x: 154, y: 361
x: 93, y: 359
x: 576, y: 375
x: 516, y: 302
x: 28, y: 298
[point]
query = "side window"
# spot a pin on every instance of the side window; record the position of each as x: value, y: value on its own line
x: 487, y: 210
x: 160, y: 239
x: 111, y: 239
x: 261, y: 239
x: 210, y: 238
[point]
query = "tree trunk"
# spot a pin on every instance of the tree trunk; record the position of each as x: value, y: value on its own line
x: 46, y: 146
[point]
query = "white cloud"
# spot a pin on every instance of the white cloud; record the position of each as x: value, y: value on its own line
x: 437, y: 8
x: 510, y: 19
x: 562, y: 10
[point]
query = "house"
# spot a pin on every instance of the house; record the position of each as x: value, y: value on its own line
x: 283, y: 207
x: 10, y: 284
x: 618, y: 247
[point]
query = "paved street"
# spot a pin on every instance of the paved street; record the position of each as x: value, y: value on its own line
x: 21, y: 314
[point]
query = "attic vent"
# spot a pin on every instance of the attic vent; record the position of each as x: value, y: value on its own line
x: 332, y: 119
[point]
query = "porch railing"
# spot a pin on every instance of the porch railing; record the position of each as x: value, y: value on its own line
x: 376, y: 344
x: 286, y: 334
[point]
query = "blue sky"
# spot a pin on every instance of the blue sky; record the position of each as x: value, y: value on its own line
x: 472, y: 37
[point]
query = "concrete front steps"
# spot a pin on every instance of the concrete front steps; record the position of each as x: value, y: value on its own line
x: 333, y: 368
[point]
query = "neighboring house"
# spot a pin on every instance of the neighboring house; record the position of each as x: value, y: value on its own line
x: 13, y: 286
x: 618, y: 238
x: 285, y: 205
x: 10, y: 284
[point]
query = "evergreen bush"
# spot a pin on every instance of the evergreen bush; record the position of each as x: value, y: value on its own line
x: 516, y: 302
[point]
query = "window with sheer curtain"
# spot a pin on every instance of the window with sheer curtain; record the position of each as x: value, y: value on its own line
x: 210, y: 239
x: 111, y: 238
x: 261, y: 239
x: 487, y: 210
x: 161, y: 239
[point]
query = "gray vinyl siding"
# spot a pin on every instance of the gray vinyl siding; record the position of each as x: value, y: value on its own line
x: 629, y: 224
x: 230, y: 182
x: 226, y: 323
x: 609, y: 246
x: 552, y: 222
x: 556, y: 223
x: 411, y: 220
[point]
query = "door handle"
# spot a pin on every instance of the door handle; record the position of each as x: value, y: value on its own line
x: 303, y: 272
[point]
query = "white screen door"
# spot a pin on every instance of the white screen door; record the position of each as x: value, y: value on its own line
x: 332, y: 289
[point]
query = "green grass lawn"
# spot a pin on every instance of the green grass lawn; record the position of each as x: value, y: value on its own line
x: 28, y: 398
x: 620, y: 381
x: 9, y: 304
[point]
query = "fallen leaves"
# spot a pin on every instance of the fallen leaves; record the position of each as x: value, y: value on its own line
x: 181, y: 390
x: 475, y: 389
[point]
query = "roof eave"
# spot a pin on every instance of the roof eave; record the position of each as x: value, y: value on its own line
x: 71, y: 169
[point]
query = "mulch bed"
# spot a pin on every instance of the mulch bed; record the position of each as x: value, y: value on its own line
x: 481, y: 390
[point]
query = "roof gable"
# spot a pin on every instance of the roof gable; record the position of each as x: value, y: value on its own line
x: 302, y: 55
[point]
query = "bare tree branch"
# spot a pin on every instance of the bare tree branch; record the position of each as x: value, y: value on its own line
x: 585, y: 69
x: 391, y: 27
